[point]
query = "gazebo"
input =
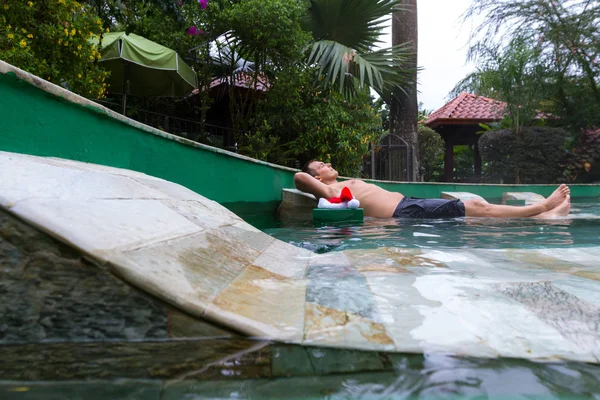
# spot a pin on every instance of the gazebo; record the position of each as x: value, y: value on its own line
x: 458, y: 123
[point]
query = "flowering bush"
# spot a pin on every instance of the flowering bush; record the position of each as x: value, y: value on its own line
x: 51, y: 39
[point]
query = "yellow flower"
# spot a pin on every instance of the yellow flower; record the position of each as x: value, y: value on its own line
x: 59, y: 41
x: 98, y: 21
x: 23, y: 30
x: 23, y: 43
x: 73, y: 32
x: 66, y: 31
x: 79, y: 76
x: 78, y: 47
x: 6, y: 6
x: 10, y: 36
x: 30, y: 3
x: 61, y: 1
x: 107, y: 30
x: 99, y: 56
x: 91, y: 57
x: 30, y: 36
x: 9, y: 27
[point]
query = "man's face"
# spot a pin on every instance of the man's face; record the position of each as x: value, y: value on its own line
x: 324, y: 170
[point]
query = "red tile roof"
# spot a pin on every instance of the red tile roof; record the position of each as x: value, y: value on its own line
x: 468, y: 108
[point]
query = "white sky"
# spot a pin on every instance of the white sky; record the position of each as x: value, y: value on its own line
x: 443, y: 42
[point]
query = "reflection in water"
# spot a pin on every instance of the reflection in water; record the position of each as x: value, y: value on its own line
x: 581, y: 229
x: 242, y: 368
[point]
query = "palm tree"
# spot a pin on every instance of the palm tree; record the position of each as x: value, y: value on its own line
x: 404, y: 110
x: 345, y: 36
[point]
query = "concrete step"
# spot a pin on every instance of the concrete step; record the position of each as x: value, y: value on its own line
x: 296, y: 206
x: 461, y: 195
x: 528, y: 197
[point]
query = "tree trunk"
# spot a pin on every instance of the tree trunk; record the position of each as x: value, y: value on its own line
x: 404, y: 107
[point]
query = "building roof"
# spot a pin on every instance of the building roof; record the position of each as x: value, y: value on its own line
x: 467, y: 108
x: 243, y: 80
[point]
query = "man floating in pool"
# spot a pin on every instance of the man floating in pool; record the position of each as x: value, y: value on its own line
x: 320, y: 179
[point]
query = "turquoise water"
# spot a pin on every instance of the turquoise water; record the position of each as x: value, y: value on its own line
x: 580, y: 229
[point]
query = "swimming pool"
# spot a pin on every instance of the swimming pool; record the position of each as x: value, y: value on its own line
x: 580, y: 229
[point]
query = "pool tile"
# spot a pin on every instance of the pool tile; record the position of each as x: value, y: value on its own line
x: 263, y: 303
x: 284, y: 259
x: 198, y: 214
x: 588, y: 256
x: 575, y: 319
x: 412, y: 258
x: 374, y: 260
x: 342, y: 288
x: 475, y: 311
x: 102, y: 227
x: 399, y: 304
x: 53, y: 182
x: 337, y: 328
x: 189, y: 271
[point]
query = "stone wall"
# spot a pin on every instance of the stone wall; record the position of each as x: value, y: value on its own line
x: 50, y: 292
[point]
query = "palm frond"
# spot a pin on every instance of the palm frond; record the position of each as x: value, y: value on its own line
x: 381, y: 69
x: 352, y: 23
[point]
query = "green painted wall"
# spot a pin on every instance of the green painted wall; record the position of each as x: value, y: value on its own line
x: 39, y: 119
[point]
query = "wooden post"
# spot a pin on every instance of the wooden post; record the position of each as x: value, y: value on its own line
x: 449, y: 162
x: 477, y: 162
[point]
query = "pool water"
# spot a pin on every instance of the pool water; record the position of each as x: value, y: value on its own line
x: 580, y: 229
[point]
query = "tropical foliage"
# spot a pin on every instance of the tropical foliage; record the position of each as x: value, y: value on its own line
x: 318, y: 124
x: 583, y: 162
x: 51, y: 39
x: 317, y: 57
x: 431, y: 150
x: 544, y: 58
x: 533, y: 156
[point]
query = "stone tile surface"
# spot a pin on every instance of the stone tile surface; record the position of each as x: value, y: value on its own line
x: 264, y: 303
x: 196, y: 255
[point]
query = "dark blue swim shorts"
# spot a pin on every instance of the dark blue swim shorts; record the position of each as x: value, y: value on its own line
x: 412, y: 207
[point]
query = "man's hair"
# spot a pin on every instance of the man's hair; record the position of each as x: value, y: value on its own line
x: 308, y: 169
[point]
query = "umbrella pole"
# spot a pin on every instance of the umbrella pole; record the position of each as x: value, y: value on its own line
x: 125, y: 86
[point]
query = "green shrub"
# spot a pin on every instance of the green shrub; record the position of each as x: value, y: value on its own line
x: 321, y: 124
x: 532, y: 157
x: 431, y: 150
x: 582, y: 163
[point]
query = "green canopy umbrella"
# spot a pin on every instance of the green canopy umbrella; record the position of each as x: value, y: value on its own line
x: 141, y: 67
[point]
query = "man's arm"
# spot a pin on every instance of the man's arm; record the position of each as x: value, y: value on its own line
x: 307, y: 183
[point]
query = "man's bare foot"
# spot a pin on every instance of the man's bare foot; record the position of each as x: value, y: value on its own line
x: 561, y: 211
x: 557, y: 197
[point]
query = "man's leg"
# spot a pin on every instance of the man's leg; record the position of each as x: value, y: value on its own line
x: 478, y: 208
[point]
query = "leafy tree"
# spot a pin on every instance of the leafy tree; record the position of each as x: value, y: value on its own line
x: 431, y: 150
x: 51, y: 39
x: 554, y: 44
x: 345, y: 34
x: 513, y: 74
x: 319, y: 124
